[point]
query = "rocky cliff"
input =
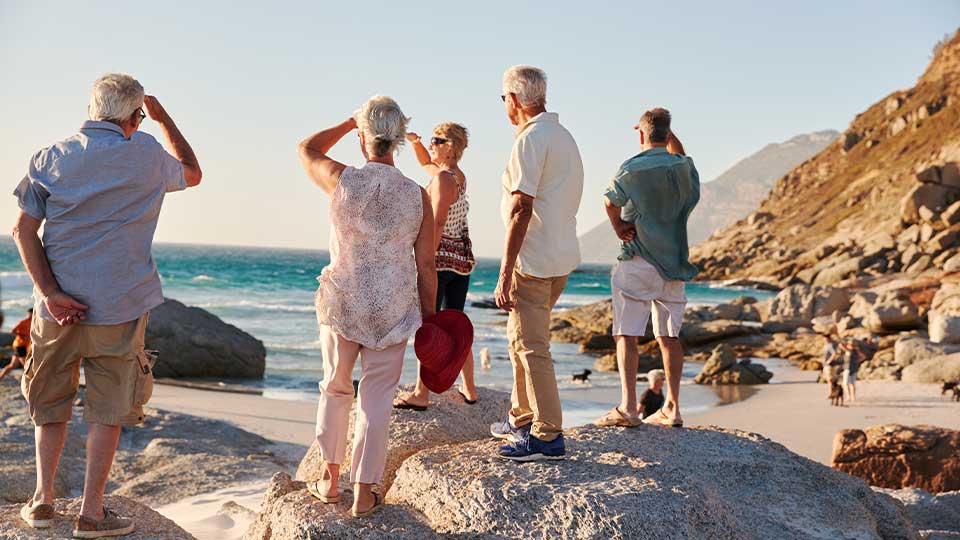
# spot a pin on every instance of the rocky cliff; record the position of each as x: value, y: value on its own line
x: 880, y: 199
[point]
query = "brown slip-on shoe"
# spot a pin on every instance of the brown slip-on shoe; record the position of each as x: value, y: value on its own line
x: 110, y: 525
x: 40, y: 516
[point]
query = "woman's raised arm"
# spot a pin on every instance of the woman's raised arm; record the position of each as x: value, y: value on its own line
x: 323, y: 170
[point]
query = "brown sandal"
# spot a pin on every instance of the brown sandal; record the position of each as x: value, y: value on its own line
x: 616, y: 418
x: 313, y: 487
x: 660, y: 418
x: 377, y: 503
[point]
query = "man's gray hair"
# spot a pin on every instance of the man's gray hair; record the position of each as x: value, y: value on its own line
x: 528, y: 83
x: 383, y: 124
x: 114, y: 98
x: 655, y: 125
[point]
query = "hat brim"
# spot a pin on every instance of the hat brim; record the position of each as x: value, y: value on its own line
x: 458, y: 326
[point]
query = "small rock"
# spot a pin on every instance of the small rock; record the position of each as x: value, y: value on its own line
x: 951, y: 215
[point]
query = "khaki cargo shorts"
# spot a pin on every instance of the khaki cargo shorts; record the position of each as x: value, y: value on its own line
x: 639, y: 291
x: 117, y: 371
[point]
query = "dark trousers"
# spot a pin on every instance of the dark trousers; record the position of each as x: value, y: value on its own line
x: 451, y: 290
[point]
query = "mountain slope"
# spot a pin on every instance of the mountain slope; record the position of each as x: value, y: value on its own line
x: 731, y: 196
x: 855, y: 207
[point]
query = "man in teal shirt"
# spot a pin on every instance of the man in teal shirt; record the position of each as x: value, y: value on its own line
x: 648, y: 203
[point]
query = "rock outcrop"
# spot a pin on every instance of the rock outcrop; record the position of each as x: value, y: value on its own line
x: 805, y: 302
x: 945, y: 312
x: 195, y: 343
x: 895, y: 456
x: 170, y: 457
x: 723, y: 368
x: 149, y: 524
x: 937, y: 516
x: 938, y: 369
x: 448, y: 420
x: 645, y: 482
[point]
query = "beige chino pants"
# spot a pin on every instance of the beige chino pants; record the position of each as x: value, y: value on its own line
x: 380, y: 373
x: 535, y: 397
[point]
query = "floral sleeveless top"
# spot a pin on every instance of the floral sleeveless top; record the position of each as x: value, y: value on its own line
x: 368, y: 293
x: 455, y: 253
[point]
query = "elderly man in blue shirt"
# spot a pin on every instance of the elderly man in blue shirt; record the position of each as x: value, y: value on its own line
x: 99, y: 194
x: 648, y: 203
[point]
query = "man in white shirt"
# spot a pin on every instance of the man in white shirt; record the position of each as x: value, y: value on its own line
x: 542, y: 186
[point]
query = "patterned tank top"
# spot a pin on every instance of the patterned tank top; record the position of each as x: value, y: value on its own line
x: 455, y: 252
x: 368, y: 293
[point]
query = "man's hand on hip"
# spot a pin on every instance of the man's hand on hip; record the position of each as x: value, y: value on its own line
x: 625, y: 230
x: 503, y: 294
x: 64, y: 308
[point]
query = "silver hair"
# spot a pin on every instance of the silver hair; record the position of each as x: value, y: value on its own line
x: 114, y: 98
x: 383, y: 124
x: 528, y: 83
x: 655, y: 124
x: 655, y: 374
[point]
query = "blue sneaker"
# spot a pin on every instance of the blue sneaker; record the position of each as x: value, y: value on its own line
x: 504, y: 430
x: 531, y: 448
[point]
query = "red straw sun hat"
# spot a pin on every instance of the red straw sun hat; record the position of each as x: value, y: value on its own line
x: 442, y: 345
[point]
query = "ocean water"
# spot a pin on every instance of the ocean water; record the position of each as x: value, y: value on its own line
x: 269, y: 293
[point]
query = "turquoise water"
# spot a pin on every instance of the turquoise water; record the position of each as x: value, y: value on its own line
x: 269, y: 293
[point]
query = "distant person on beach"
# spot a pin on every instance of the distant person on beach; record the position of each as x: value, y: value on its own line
x: 454, y: 250
x: 542, y: 187
x: 380, y: 279
x: 852, y: 356
x: 648, y: 203
x: 652, y: 398
x: 831, y: 356
x: 98, y: 194
x: 21, y: 344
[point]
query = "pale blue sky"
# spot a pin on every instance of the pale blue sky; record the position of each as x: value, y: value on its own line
x: 246, y: 81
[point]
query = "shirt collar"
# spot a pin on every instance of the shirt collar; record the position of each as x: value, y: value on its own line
x: 654, y: 151
x: 545, y: 116
x: 97, y: 124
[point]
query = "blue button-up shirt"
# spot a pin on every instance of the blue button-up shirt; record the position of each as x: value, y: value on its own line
x: 657, y: 191
x: 100, y: 194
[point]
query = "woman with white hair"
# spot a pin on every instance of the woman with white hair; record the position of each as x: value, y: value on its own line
x: 454, y: 257
x: 380, y: 281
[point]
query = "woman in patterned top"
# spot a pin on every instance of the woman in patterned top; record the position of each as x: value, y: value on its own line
x: 454, y: 258
x: 380, y: 280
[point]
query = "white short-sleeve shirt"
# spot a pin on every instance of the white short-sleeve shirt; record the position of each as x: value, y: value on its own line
x: 545, y: 164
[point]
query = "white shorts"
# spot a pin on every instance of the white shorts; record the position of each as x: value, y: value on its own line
x: 849, y: 378
x: 637, y: 290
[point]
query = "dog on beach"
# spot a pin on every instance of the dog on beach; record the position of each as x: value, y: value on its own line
x: 582, y: 377
x: 951, y: 386
x: 485, y: 359
x: 836, y: 393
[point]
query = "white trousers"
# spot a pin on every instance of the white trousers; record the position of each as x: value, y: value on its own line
x: 380, y: 373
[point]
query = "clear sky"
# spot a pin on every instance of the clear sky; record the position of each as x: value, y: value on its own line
x: 246, y: 81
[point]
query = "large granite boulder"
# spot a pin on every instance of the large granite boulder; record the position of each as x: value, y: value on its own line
x: 910, y: 349
x: 195, y: 343
x: 576, y: 325
x: 893, y: 311
x: 804, y: 302
x: 170, y: 457
x: 944, y: 315
x: 896, y: 456
x: 723, y: 368
x: 448, y: 420
x: 935, y: 515
x: 938, y: 369
x: 149, y: 524
x: 645, y: 482
x: 703, y: 333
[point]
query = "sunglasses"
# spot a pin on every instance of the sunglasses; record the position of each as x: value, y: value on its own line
x: 437, y: 141
x: 142, y: 115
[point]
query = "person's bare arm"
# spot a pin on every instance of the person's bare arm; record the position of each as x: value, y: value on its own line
x: 424, y: 251
x: 624, y: 229
x: 65, y: 309
x: 443, y: 192
x: 178, y: 143
x: 323, y: 170
x: 423, y: 156
x: 521, y: 210
x: 674, y: 146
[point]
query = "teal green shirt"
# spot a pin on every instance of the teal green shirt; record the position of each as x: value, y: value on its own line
x: 656, y: 191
